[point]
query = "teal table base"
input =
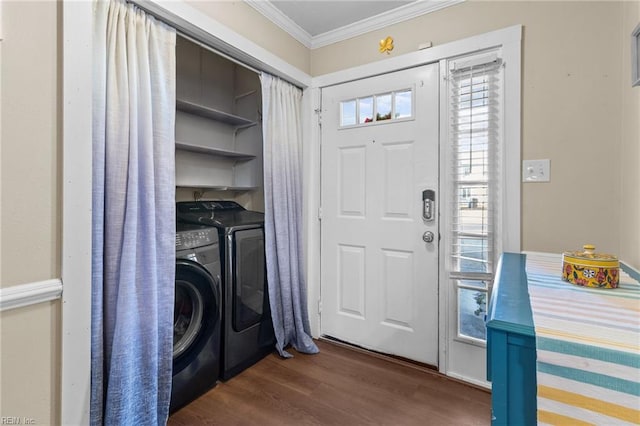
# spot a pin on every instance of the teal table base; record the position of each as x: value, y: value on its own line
x: 511, y: 346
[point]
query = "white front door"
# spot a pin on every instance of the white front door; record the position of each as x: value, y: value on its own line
x: 379, y: 278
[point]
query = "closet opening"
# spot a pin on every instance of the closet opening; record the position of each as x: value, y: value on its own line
x: 218, y: 127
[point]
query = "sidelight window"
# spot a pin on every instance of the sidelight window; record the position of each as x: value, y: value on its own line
x: 475, y: 129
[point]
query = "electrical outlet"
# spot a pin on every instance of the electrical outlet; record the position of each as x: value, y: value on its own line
x: 536, y: 170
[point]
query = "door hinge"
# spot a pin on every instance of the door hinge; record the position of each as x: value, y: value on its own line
x: 318, y: 112
x: 319, y: 306
x: 319, y: 213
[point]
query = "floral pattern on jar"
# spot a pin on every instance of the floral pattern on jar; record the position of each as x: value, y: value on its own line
x: 590, y: 276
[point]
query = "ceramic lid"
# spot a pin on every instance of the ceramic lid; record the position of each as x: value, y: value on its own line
x: 588, y: 253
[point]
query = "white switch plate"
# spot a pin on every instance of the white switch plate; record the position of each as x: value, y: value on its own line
x: 536, y: 170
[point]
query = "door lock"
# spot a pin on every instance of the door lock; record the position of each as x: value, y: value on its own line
x: 428, y: 237
x: 428, y: 205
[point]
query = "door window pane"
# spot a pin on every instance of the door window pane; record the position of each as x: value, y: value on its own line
x: 348, y: 113
x: 383, y: 107
x: 472, y: 306
x: 403, y: 104
x: 366, y: 110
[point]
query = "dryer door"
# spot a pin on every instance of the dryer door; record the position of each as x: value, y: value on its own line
x: 249, y: 280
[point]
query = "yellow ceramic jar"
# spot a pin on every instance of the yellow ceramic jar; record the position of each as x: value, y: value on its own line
x: 590, y: 269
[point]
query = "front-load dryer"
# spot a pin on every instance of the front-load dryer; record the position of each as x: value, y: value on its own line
x: 197, y: 314
x: 247, y: 328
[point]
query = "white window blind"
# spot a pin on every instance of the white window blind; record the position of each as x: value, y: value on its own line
x: 475, y: 120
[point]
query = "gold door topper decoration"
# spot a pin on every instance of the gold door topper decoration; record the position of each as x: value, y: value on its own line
x: 386, y: 45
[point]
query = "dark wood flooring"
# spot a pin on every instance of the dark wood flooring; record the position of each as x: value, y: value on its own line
x: 338, y: 386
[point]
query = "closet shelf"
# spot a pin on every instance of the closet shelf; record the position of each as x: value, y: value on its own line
x: 214, y: 151
x: 218, y: 188
x: 244, y: 95
x: 214, y: 114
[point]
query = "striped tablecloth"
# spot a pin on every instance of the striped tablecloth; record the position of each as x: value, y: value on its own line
x: 587, y: 347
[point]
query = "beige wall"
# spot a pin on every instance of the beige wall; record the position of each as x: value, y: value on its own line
x: 571, y: 91
x: 630, y: 149
x: 30, y: 151
x: 29, y: 207
x: 29, y: 363
x: 246, y: 21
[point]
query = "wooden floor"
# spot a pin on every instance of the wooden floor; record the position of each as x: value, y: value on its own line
x: 338, y: 386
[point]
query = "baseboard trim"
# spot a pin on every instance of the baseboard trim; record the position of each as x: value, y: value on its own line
x: 22, y: 295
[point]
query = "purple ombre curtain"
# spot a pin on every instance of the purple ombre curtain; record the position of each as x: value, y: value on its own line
x: 133, y: 216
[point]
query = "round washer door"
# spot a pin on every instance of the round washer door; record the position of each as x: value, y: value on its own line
x: 187, y: 316
x: 196, y: 307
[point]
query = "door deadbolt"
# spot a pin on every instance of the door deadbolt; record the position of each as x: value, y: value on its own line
x: 428, y: 237
x: 428, y: 205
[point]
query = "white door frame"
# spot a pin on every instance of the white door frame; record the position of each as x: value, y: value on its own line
x: 509, y: 41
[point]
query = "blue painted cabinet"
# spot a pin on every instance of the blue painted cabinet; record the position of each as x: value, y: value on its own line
x: 511, y: 345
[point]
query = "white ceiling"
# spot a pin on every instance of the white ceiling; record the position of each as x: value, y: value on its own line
x: 317, y: 23
x: 317, y: 17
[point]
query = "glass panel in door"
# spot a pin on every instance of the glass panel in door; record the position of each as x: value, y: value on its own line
x: 249, y: 285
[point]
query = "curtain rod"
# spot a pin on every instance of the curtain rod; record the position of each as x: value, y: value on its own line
x: 206, y: 40
x: 185, y: 30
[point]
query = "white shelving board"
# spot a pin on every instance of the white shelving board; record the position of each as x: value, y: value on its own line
x: 214, y: 114
x: 218, y: 124
x: 214, y: 151
x: 217, y: 188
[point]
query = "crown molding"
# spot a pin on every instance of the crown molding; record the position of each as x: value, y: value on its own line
x: 382, y: 20
x: 274, y: 14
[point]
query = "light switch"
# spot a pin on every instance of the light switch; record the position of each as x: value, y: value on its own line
x: 536, y: 170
